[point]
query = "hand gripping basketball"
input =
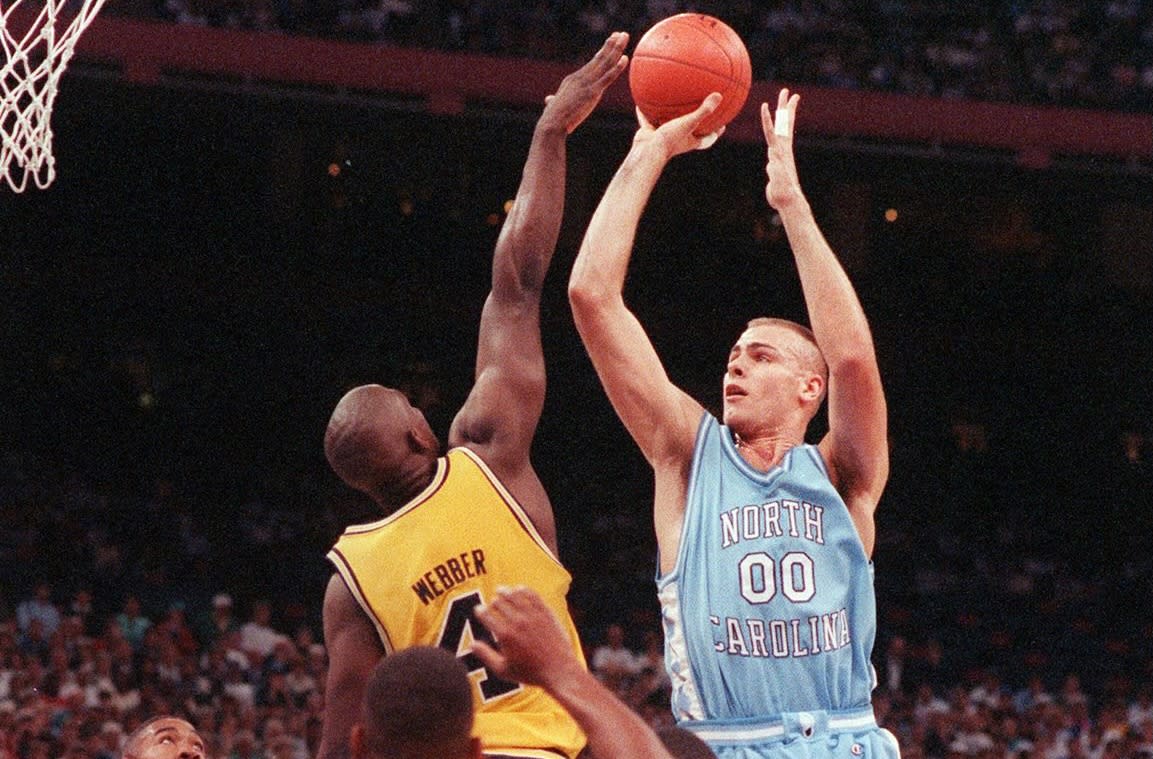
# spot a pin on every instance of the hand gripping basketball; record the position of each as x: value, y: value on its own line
x: 683, y: 58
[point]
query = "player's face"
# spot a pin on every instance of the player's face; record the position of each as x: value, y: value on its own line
x: 763, y: 379
x: 170, y: 739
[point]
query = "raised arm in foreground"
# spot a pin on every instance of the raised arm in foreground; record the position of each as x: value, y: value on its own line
x: 534, y: 649
x: 661, y: 418
x: 856, y: 446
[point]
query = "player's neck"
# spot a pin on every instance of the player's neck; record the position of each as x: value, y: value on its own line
x: 410, y: 481
x: 764, y: 452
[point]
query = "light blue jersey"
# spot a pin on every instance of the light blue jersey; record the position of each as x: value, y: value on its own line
x: 769, y: 611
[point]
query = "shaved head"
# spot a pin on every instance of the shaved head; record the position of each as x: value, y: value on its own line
x: 370, y: 433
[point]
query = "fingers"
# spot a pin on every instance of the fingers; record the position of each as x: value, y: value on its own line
x: 703, y: 111
x: 610, y: 60
x: 767, y: 123
x: 780, y: 124
x: 490, y: 656
x: 707, y: 106
x: 710, y: 139
x: 786, y: 114
x: 612, y: 48
x: 507, y: 611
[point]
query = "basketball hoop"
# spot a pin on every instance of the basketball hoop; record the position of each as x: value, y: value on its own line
x: 33, y: 63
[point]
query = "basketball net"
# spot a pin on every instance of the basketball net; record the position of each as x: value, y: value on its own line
x: 34, y: 60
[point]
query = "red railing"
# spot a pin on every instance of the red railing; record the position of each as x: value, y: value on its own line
x: 146, y: 52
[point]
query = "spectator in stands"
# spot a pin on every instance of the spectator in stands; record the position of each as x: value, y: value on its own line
x: 218, y: 622
x: 32, y: 641
x: 614, y: 663
x: 102, y: 683
x: 132, y: 622
x: 244, y: 746
x: 237, y: 686
x: 111, y: 741
x: 1140, y: 709
x: 300, y: 681
x: 257, y: 636
x: 895, y: 665
x: 39, y: 607
x: 174, y: 626
x: 652, y: 679
x: 81, y: 606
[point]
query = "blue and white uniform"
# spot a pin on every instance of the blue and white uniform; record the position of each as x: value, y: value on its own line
x: 769, y: 612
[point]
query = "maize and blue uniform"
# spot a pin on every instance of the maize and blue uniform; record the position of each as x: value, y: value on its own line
x: 769, y: 612
x: 419, y: 573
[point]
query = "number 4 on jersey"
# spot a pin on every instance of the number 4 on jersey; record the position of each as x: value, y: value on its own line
x: 462, y: 618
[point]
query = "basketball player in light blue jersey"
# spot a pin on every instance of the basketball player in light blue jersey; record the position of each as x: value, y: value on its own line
x: 764, y: 542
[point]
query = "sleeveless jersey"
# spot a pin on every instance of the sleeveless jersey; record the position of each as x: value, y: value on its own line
x: 419, y: 573
x: 770, y: 607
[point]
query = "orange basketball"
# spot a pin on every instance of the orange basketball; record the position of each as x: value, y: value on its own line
x: 680, y: 60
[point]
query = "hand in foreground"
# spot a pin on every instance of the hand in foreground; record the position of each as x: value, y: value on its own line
x: 679, y: 135
x: 534, y: 648
x: 783, y: 186
x: 580, y: 91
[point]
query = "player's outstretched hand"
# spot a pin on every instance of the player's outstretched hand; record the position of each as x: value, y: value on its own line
x: 782, y: 185
x: 534, y: 648
x: 679, y: 135
x: 580, y: 91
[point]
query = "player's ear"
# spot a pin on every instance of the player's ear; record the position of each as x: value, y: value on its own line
x: 422, y: 440
x: 813, y: 388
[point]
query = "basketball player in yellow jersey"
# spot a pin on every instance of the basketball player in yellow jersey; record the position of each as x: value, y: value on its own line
x: 455, y: 527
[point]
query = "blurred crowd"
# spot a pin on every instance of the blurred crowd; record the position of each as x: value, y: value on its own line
x: 1067, y: 52
x: 118, y: 606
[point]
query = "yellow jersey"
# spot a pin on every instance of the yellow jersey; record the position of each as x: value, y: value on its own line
x: 419, y: 573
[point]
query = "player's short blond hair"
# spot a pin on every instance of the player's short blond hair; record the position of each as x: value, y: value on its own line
x: 810, y: 354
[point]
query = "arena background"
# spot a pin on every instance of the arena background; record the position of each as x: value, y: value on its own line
x: 221, y: 257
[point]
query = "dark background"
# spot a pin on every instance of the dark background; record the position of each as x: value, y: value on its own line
x: 196, y: 290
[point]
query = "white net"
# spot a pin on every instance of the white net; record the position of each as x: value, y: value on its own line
x: 38, y: 38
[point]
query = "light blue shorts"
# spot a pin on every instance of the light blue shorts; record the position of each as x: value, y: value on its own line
x: 799, y: 735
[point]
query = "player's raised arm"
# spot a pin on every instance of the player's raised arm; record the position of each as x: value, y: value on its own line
x: 856, y: 447
x: 500, y: 416
x: 661, y: 418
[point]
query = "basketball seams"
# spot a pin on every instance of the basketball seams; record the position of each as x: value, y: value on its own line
x: 723, y: 43
x: 687, y: 56
x: 730, y: 77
